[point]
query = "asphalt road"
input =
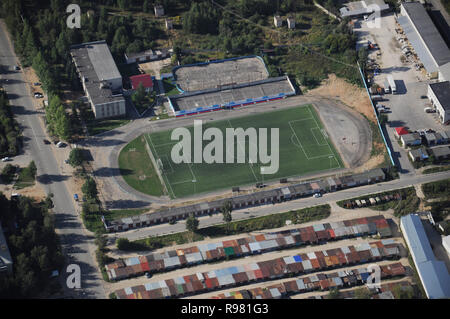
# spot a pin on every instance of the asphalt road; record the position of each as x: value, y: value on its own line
x: 77, y: 244
x: 258, y: 211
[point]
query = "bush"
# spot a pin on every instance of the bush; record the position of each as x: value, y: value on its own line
x: 8, y: 173
x: 437, y: 189
x: 76, y: 157
x: 89, y: 188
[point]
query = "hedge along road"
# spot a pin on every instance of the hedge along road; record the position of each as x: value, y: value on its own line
x: 105, y: 148
x: 257, y: 211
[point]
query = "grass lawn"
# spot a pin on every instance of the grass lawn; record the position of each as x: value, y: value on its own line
x: 100, y: 126
x: 436, y: 169
x: 437, y: 189
x: 304, y: 147
x: 137, y: 168
x: 93, y: 222
x: 25, y: 179
x: 169, y: 88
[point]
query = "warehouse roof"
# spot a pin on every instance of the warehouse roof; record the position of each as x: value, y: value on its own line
x: 433, y: 273
x: 431, y: 46
x: 442, y: 92
x: 94, y: 62
x: 440, y: 151
x: 362, y: 7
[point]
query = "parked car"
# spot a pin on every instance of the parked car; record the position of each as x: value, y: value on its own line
x: 424, y: 97
x: 429, y: 110
x: 317, y: 195
x: 16, y: 68
x: 148, y: 275
x: 36, y: 84
x: 60, y: 144
x: 6, y: 159
x: 75, y: 196
x: 46, y: 141
x: 38, y: 95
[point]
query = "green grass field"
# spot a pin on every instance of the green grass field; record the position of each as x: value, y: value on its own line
x: 137, y: 168
x: 304, y: 147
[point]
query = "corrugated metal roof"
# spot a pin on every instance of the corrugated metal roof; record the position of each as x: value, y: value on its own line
x: 433, y: 273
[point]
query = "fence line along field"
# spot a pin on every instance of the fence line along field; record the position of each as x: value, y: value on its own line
x: 304, y: 147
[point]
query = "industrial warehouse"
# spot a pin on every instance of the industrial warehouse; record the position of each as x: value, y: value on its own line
x: 312, y: 235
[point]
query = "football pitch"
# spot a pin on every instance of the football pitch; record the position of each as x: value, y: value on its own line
x: 304, y: 147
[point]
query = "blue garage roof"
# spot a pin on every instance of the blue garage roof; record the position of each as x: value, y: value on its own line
x: 433, y: 273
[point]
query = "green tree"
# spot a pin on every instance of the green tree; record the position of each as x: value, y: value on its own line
x: 122, y: 243
x: 192, y: 224
x: 226, y: 210
x: 362, y: 293
x: 334, y: 294
x: 401, y: 292
x: 32, y: 169
x: 89, y: 188
x: 76, y: 157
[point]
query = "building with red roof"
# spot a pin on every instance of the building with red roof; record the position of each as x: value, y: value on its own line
x: 144, y: 79
x: 399, y: 131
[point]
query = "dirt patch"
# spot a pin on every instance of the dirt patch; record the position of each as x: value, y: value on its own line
x: 350, y: 94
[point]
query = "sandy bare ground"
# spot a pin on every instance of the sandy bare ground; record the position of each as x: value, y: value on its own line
x: 348, y: 93
x: 356, y: 98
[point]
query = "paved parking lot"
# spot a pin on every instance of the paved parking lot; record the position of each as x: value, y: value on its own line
x: 407, y: 106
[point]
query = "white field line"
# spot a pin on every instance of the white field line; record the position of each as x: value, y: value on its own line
x: 303, y: 149
x: 317, y: 124
x: 171, y: 168
x: 312, y: 132
x: 162, y: 171
x: 251, y: 168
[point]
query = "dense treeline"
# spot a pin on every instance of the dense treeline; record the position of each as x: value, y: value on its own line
x: 437, y: 189
x: 9, y: 129
x: 34, y: 246
x: 58, y: 122
x: 242, y: 33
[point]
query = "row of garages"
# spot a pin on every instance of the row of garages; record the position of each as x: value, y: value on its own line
x: 245, y: 274
x: 271, y: 196
x: 245, y: 246
x: 321, y: 281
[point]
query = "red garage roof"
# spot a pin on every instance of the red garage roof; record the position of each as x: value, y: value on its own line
x: 401, y: 130
x: 145, y: 79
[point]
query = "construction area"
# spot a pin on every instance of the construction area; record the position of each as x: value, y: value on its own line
x: 217, y: 74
